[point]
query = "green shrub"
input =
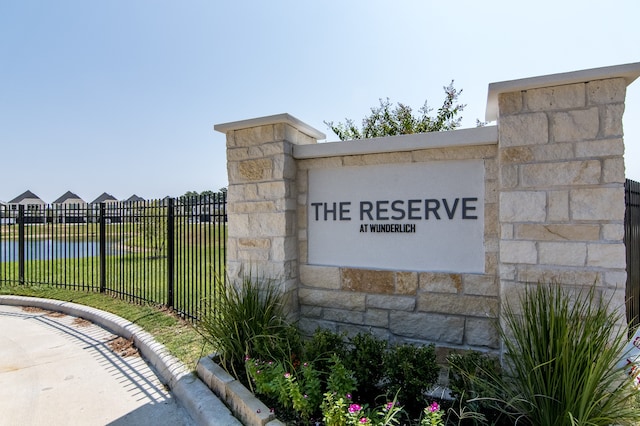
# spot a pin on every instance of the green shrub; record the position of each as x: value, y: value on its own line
x: 562, y: 350
x: 249, y: 319
x: 341, y: 380
x: 322, y: 346
x: 410, y: 371
x: 298, y: 390
x: 401, y: 373
x: 295, y: 390
x: 267, y: 378
x: 365, y: 357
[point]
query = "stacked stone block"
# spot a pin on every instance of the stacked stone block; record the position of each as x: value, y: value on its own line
x: 453, y: 310
x: 261, y: 239
x: 562, y: 187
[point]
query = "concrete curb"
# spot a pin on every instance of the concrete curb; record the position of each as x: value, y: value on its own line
x: 244, y: 404
x: 196, y: 397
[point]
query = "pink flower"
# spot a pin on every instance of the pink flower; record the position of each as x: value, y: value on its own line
x: 364, y: 420
x: 306, y: 364
x: 354, y: 408
x: 434, y: 407
x: 348, y: 396
x: 287, y: 375
x: 389, y: 405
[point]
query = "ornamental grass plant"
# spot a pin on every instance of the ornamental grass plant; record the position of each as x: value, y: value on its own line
x: 467, y: 373
x: 562, y: 353
x: 248, y: 318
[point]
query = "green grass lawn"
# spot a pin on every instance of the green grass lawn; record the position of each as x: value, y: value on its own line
x: 179, y: 336
x: 136, y: 275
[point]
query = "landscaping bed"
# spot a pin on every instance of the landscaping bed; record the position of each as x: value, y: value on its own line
x: 563, y: 352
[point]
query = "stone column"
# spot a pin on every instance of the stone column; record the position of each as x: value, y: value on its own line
x: 561, y: 189
x: 262, y: 200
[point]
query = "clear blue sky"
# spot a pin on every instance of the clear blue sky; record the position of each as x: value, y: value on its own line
x: 121, y: 96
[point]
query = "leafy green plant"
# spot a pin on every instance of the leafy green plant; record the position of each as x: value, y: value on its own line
x: 334, y: 409
x: 249, y: 319
x: 410, y: 371
x: 340, y: 410
x: 301, y: 392
x: 562, y: 351
x: 389, y: 413
x: 387, y: 121
x: 305, y: 394
x: 298, y: 389
x: 365, y: 358
x: 267, y: 378
x: 341, y: 380
x: 322, y: 346
x: 432, y: 415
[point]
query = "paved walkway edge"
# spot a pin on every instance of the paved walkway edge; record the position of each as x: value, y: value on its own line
x: 196, y: 397
x: 244, y: 404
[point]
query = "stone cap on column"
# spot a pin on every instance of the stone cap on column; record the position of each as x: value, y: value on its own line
x: 627, y: 71
x: 269, y: 120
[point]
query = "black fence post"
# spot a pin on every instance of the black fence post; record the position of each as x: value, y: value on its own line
x: 103, y: 248
x: 223, y: 243
x: 21, y: 248
x: 170, y: 252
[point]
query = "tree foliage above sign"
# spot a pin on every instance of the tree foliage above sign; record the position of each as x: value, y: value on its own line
x: 387, y: 120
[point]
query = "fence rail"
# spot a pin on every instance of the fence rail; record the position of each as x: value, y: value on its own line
x: 169, y: 252
x: 632, y: 243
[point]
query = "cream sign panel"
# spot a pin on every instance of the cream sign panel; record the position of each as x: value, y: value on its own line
x: 415, y: 217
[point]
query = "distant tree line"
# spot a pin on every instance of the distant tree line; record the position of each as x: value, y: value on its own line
x: 210, y: 195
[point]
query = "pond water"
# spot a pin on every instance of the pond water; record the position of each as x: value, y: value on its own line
x: 48, y: 250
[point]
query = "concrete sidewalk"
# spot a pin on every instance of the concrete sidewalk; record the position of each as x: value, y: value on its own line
x: 59, y: 369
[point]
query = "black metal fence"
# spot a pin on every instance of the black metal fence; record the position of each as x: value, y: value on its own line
x: 632, y: 243
x: 169, y: 252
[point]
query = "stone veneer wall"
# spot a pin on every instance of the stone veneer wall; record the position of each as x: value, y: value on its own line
x: 262, y: 199
x: 562, y: 187
x: 554, y: 210
x: 454, y: 310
